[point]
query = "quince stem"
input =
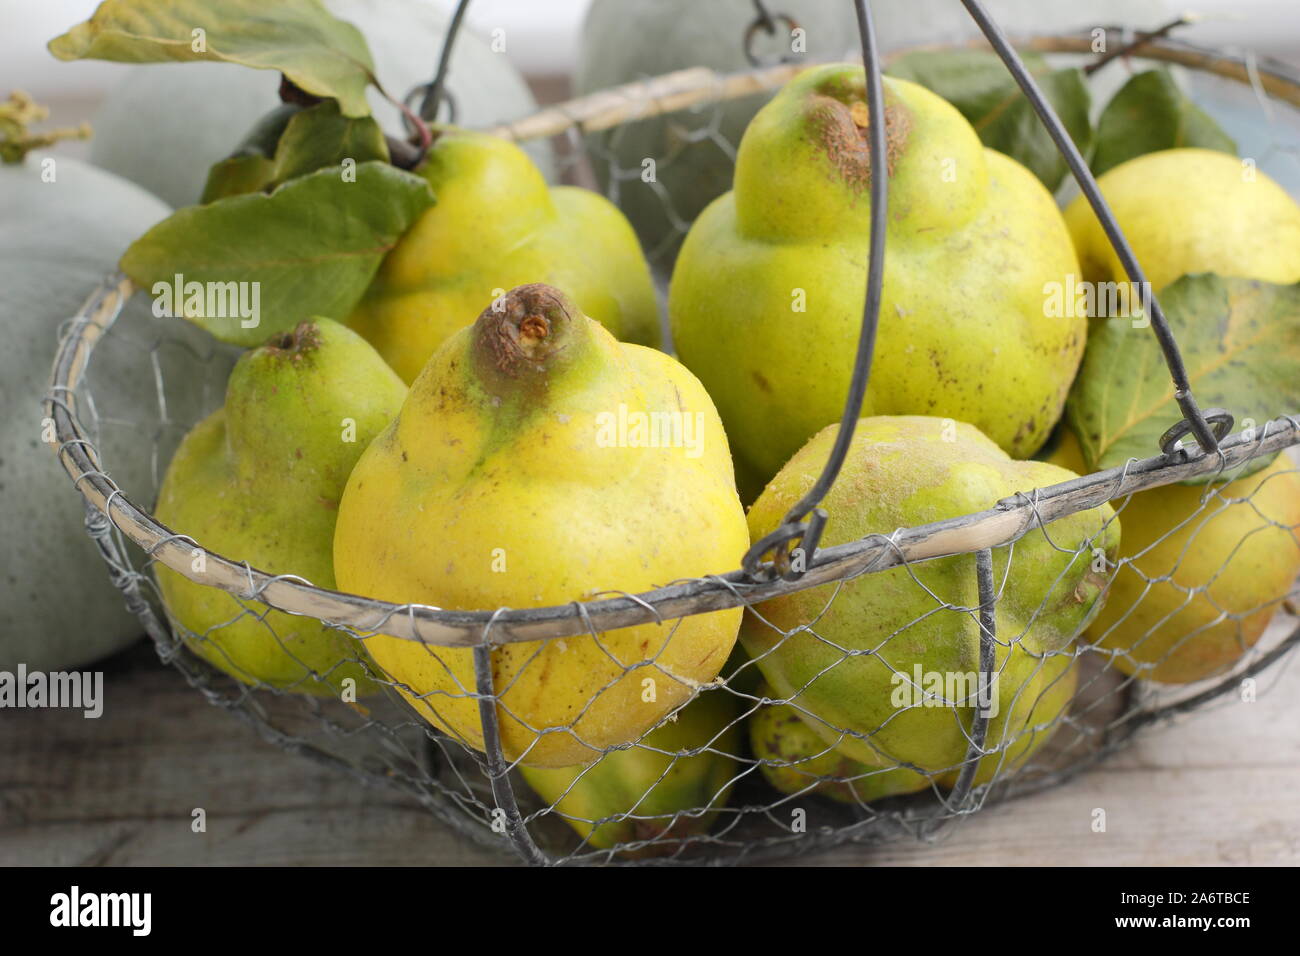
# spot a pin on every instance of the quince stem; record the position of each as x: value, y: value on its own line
x: 525, y: 332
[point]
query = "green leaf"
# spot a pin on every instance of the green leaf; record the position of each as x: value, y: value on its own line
x: 264, y: 137
x: 1240, y: 341
x: 237, y: 175
x: 311, y: 247
x: 322, y: 136
x: 251, y: 167
x: 978, y: 84
x: 1151, y: 113
x: 317, y: 52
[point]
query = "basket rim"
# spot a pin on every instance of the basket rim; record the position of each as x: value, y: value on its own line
x: 698, y: 85
x: 1006, y: 522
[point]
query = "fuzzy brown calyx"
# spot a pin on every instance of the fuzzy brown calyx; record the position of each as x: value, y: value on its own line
x: 526, y: 330
x: 302, y: 339
x: 840, y: 125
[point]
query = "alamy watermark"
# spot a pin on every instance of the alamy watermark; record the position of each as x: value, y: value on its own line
x: 208, y: 300
x: 924, y: 688
x: 75, y: 690
x: 628, y: 429
x: 1076, y: 298
x: 74, y: 908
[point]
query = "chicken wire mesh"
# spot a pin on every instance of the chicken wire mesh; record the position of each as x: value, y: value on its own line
x: 727, y: 770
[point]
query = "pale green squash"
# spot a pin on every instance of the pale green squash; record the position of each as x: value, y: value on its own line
x: 58, y: 608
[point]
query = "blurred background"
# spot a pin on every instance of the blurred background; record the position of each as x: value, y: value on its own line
x: 542, y: 40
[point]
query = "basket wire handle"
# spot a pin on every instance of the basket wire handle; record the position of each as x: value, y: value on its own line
x: 433, y: 94
x: 793, y: 527
x: 767, y: 22
x: 1196, y: 423
x: 763, y: 18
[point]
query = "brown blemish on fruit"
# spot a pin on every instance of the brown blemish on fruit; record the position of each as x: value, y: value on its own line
x: 1026, y: 429
x: 1094, y: 582
x: 841, y: 123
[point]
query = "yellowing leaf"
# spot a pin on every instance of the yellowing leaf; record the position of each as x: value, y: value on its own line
x: 317, y: 52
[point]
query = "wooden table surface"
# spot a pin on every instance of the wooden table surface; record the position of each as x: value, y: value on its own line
x: 1218, y: 787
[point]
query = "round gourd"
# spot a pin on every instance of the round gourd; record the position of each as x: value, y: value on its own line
x: 58, y: 240
x: 167, y: 123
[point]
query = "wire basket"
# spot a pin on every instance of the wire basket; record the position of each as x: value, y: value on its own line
x: 752, y: 799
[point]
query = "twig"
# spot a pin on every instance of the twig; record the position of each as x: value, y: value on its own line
x: 1139, y: 40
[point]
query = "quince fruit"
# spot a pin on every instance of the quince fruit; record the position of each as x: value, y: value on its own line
x: 796, y: 760
x: 1190, y: 210
x: 509, y: 480
x: 652, y: 798
x: 1205, y: 568
x: 259, y: 480
x: 888, y: 663
x: 767, y: 295
x: 496, y: 225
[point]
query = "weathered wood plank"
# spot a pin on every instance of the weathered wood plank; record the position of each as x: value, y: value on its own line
x: 1220, y: 787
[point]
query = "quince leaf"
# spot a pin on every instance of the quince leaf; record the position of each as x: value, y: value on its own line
x: 1151, y: 113
x: 321, y: 136
x: 978, y: 84
x: 311, y: 247
x: 251, y: 167
x: 237, y: 175
x: 1240, y: 341
x: 319, y: 54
